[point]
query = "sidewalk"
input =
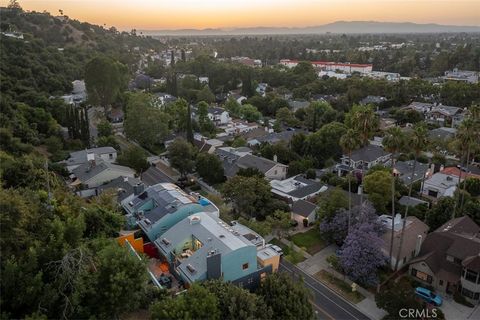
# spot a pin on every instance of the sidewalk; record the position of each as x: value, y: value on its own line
x: 318, y: 261
x: 313, y: 264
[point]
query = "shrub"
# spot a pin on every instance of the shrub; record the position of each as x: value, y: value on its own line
x: 458, y: 298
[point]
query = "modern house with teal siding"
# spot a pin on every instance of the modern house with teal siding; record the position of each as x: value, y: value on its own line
x: 202, y: 247
x: 158, y: 208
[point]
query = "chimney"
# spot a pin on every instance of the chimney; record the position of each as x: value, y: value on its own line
x: 138, y: 188
x: 397, y: 219
x: 275, y: 158
x: 418, y: 244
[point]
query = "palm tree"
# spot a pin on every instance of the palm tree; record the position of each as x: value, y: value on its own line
x: 363, y: 120
x: 349, y: 142
x: 418, y: 141
x: 467, y: 139
x: 393, y: 141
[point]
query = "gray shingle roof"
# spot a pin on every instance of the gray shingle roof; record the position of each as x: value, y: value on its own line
x: 251, y: 161
x: 79, y: 157
x: 442, y: 133
x: 216, y: 110
x: 368, y: 153
x: 310, y: 188
x: 405, y: 168
x: 275, y: 137
x: 411, y: 201
x: 303, y: 208
x: 123, y: 186
x: 88, y: 170
x: 166, y: 198
x: 373, y: 100
x: 153, y: 176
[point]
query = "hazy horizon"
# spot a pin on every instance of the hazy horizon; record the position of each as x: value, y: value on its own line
x: 217, y: 14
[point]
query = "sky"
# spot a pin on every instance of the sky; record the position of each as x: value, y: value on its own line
x: 200, y: 14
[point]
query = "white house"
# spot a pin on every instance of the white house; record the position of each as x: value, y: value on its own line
x: 203, y: 80
x: 363, y: 158
x: 332, y: 66
x: 461, y: 75
x: 440, y: 185
x: 219, y: 116
x: 296, y: 188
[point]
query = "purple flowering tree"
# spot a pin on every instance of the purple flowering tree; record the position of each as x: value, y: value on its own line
x: 361, y: 255
x: 336, y: 229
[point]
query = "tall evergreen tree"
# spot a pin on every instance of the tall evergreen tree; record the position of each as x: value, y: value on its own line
x: 393, y: 142
x: 189, y: 124
x: 349, y: 142
x: 172, y: 58
x: 418, y: 140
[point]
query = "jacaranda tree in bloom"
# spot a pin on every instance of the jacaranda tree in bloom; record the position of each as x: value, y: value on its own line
x: 360, y: 255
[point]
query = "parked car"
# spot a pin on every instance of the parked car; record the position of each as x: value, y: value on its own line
x: 428, y: 296
x: 277, y: 249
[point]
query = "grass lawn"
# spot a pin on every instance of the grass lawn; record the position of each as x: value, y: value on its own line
x: 311, y: 240
x: 289, y: 255
x: 339, y: 286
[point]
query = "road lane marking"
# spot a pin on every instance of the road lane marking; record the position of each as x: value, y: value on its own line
x: 306, y: 282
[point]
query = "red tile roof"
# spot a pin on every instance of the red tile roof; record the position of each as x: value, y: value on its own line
x: 456, y: 172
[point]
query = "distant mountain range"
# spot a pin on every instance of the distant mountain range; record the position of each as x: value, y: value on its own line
x: 335, y: 27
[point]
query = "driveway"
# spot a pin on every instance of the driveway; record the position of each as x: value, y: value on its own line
x: 455, y: 311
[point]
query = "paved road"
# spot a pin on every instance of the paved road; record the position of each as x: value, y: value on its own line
x: 327, y: 303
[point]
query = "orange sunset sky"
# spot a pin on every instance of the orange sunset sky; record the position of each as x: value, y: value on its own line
x: 179, y: 14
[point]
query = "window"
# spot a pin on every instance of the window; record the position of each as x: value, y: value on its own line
x: 275, y: 171
x: 250, y: 280
x: 469, y: 294
x: 470, y: 276
x: 110, y: 156
x: 432, y: 193
x: 404, y: 260
x: 245, y: 266
x: 441, y: 282
x: 421, y: 275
